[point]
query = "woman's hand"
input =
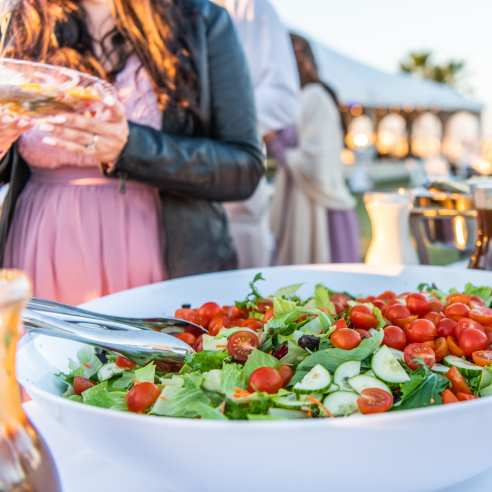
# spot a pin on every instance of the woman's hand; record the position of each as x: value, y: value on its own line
x: 11, y: 128
x: 103, y: 139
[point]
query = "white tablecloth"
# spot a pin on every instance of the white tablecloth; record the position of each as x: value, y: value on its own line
x: 81, y: 470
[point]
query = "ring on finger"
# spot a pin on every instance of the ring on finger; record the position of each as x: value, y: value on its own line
x: 92, y: 147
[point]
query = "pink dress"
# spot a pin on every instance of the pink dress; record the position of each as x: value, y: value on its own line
x: 74, y: 232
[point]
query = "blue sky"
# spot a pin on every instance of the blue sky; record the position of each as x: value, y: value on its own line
x: 380, y: 32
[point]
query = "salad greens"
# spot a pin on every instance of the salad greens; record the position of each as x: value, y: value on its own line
x: 287, y: 357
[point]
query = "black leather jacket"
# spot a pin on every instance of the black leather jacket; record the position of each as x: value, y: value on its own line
x: 222, y: 161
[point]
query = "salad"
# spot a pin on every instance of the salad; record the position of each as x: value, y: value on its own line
x: 326, y: 356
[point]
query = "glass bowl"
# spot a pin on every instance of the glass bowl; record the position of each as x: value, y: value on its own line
x: 37, y: 90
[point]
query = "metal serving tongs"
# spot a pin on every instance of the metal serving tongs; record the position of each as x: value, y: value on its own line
x: 65, y: 312
x: 140, y: 346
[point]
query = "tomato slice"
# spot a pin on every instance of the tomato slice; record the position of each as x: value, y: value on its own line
x: 241, y: 344
x: 340, y: 302
x: 362, y: 317
x: 397, y: 312
x: 265, y: 379
x: 465, y: 323
x: 448, y: 397
x: 465, y: 397
x: 124, y: 363
x: 416, y: 352
x: 458, y: 382
x: 142, y: 396
x: 421, y: 330
x: 441, y: 348
x: 216, y: 324
x: 374, y: 400
x: 188, y: 338
x: 345, y: 338
x: 81, y: 384
x: 418, y: 304
x: 472, y: 340
x: 446, y: 327
x: 457, y: 310
x: 341, y: 323
x: 286, y: 373
x: 482, y: 315
x: 453, y: 346
x: 395, y: 337
x: 252, y: 323
x: 482, y: 357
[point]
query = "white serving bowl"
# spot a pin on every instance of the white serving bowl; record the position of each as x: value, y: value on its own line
x: 413, y: 451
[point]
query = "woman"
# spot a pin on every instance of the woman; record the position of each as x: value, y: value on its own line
x: 313, y: 215
x: 182, y: 138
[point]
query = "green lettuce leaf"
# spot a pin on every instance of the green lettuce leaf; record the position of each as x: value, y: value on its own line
x: 145, y: 374
x: 87, y: 365
x: 295, y: 355
x: 322, y: 299
x: 123, y: 382
x: 331, y: 358
x: 257, y: 359
x: 288, y: 291
x: 232, y: 377
x: 283, y: 306
x: 206, y: 360
x: 100, y: 396
x: 483, y: 292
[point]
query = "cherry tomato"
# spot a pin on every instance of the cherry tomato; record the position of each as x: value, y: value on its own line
x: 397, y: 312
x: 81, y: 384
x: 472, y: 340
x: 462, y: 298
x: 340, y: 302
x: 124, y: 363
x: 476, y: 302
x: 434, y: 317
x: 418, y: 304
x: 378, y: 303
x: 241, y: 344
x: 457, y: 310
x: 387, y: 296
x: 465, y: 397
x: 286, y: 372
x: 184, y: 313
x: 363, y: 333
x: 482, y: 357
x: 374, y: 400
x: 341, y: 323
x: 188, y: 338
x: 453, y: 346
x: 488, y: 332
x: 465, y: 323
x: 448, y: 397
x: 436, y: 306
x: 362, y: 317
x: 458, y: 382
x: 395, y: 337
x: 265, y: 379
x: 252, y: 323
x: 142, y: 396
x: 216, y: 324
x: 233, y: 312
x: 441, y: 348
x: 406, y: 322
x: 209, y: 310
x: 421, y: 330
x: 263, y: 305
x: 446, y: 327
x: 345, y: 338
x: 482, y: 315
x: 415, y: 353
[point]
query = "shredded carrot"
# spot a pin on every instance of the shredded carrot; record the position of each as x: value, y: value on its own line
x: 240, y: 393
x: 316, y: 402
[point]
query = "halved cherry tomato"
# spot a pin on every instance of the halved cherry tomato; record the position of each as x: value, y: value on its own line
x: 476, y: 302
x: 387, y: 296
x: 233, y: 312
x: 362, y: 317
x: 263, y: 305
x: 81, y: 384
x: 184, y: 313
x: 374, y: 400
x: 241, y: 344
x: 441, y: 348
x: 363, y: 333
x: 395, y: 337
x: 124, y: 363
x: 418, y: 304
x: 188, y: 338
x: 209, y: 310
x: 142, y: 396
x: 378, y: 303
x: 397, y: 312
x: 421, y: 330
x: 482, y: 357
x: 417, y: 352
x: 436, y: 306
x: 252, y: 323
x: 482, y: 315
x: 340, y: 323
x: 457, y: 310
x: 462, y: 298
x: 265, y: 379
x: 406, y: 322
x: 458, y: 382
x: 465, y: 397
x: 472, y: 340
x: 434, y: 317
x: 446, y: 327
x: 216, y: 324
x: 465, y: 323
x: 488, y: 332
x: 448, y: 397
x: 453, y: 346
x: 286, y: 372
x: 345, y: 338
x: 340, y: 302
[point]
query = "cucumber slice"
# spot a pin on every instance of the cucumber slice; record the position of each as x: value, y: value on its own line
x: 467, y: 368
x: 318, y: 379
x: 400, y: 357
x: 487, y: 391
x: 212, y: 380
x: 282, y: 413
x: 289, y: 402
x: 341, y: 403
x: 486, y: 378
x: 333, y: 387
x: 440, y: 368
x: 107, y: 371
x: 386, y: 367
x: 344, y: 372
x: 362, y: 382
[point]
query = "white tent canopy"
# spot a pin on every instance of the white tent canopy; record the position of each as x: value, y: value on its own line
x: 358, y: 83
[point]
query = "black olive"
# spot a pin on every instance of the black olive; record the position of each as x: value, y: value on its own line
x: 309, y: 342
x: 185, y: 306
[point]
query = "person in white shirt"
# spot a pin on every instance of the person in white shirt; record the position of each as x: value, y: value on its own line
x: 276, y: 82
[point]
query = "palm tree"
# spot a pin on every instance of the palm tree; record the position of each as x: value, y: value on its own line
x: 421, y: 63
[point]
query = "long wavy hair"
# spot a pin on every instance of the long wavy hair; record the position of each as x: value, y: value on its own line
x: 55, y: 31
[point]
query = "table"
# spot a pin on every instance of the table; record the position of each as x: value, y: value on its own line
x: 81, y: 470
